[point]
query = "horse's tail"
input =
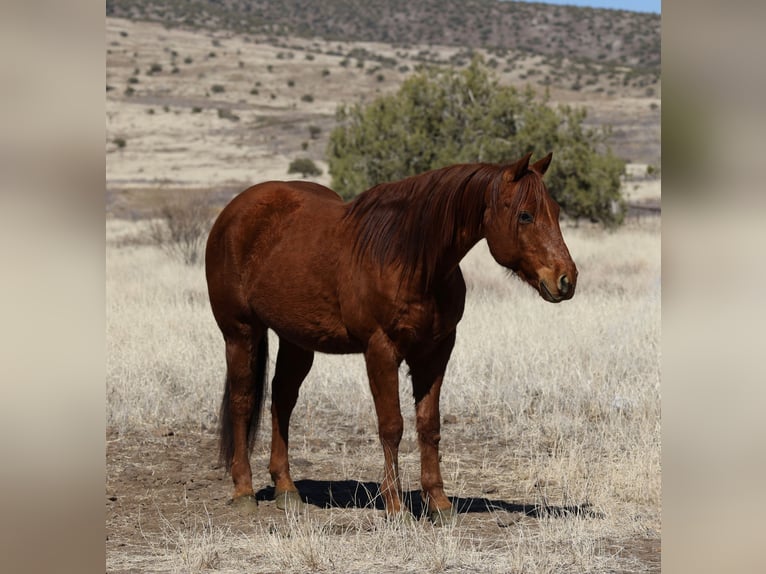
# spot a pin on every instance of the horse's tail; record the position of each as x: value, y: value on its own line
x: 259, y: 368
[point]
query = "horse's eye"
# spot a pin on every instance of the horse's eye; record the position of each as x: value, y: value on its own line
x: 526, y: 217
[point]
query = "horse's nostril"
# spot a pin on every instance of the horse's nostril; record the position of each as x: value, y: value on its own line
x: 564, y: 284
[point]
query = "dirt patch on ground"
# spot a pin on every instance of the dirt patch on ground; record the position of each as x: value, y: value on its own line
x: 164, y: 482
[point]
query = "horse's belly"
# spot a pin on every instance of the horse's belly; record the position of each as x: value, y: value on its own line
x: 319, y: 338
x: 332, y: 345
x: 311, y: 323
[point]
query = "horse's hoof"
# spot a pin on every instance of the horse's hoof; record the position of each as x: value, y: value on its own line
x: 401, y: 518
x: 443, y: 517
x: 246, y: 504
x: 289, y: 501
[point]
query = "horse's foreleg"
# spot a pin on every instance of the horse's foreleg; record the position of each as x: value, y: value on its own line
x: 293, y: 364
x: 427, y: 370
x: 383, y: 371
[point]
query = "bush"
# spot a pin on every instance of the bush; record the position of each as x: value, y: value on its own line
x: 304, y: 166
x: 443, y: 117
x: 181, y: 227
x: 217, y: 89
x: 227, y: 114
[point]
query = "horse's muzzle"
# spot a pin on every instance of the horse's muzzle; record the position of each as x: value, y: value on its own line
x: 565, y: 288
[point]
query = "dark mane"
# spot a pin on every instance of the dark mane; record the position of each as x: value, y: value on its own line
x: 413, y: 221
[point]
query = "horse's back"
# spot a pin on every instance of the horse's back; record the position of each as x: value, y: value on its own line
x: 252, y: 222
x: 272, y: 199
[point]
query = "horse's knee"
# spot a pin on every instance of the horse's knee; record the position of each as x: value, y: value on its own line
x: 429, y: 438
x: 428, y: 430
x: 391, y: 431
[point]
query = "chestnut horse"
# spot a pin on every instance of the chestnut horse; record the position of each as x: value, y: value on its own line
x: 379, y: 275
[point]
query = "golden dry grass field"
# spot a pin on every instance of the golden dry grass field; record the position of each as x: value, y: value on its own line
x: 550, y: 442
x: 551, y: 413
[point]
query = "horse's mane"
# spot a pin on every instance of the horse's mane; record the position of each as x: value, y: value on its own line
x: 413, y: 221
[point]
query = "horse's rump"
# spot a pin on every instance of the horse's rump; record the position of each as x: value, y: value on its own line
x: 275, y: 249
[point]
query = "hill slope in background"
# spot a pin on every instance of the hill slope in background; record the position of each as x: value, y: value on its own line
x: 211, y: 108
x: 614, y: 37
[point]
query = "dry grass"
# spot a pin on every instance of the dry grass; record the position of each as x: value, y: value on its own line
x: 355, y: 541
x: 554, y: 405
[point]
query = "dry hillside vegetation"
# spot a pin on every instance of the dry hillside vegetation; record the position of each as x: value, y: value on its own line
x: 219, y: 111
x: 610, y: 36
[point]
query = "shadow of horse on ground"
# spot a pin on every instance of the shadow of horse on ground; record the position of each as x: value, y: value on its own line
x: 356, y: 494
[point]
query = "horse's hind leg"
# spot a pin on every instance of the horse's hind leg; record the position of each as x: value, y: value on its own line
x: 246, y: 358
x: 293, y: 364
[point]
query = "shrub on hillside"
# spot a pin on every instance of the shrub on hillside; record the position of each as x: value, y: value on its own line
x: 304, y: 166
x: 444, y: 116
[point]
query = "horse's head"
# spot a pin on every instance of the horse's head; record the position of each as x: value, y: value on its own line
x: 521, y: 224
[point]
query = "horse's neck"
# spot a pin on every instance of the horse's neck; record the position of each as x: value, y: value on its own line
x: 465, y: 239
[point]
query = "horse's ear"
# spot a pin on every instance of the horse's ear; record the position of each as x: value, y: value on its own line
x: 541, y: 165
x: 519, y: 168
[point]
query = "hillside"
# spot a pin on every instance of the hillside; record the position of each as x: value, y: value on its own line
x: 613, y: 37
x: 216, y: 110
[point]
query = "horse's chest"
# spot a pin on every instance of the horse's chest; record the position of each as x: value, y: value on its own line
x: 419, y: 323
